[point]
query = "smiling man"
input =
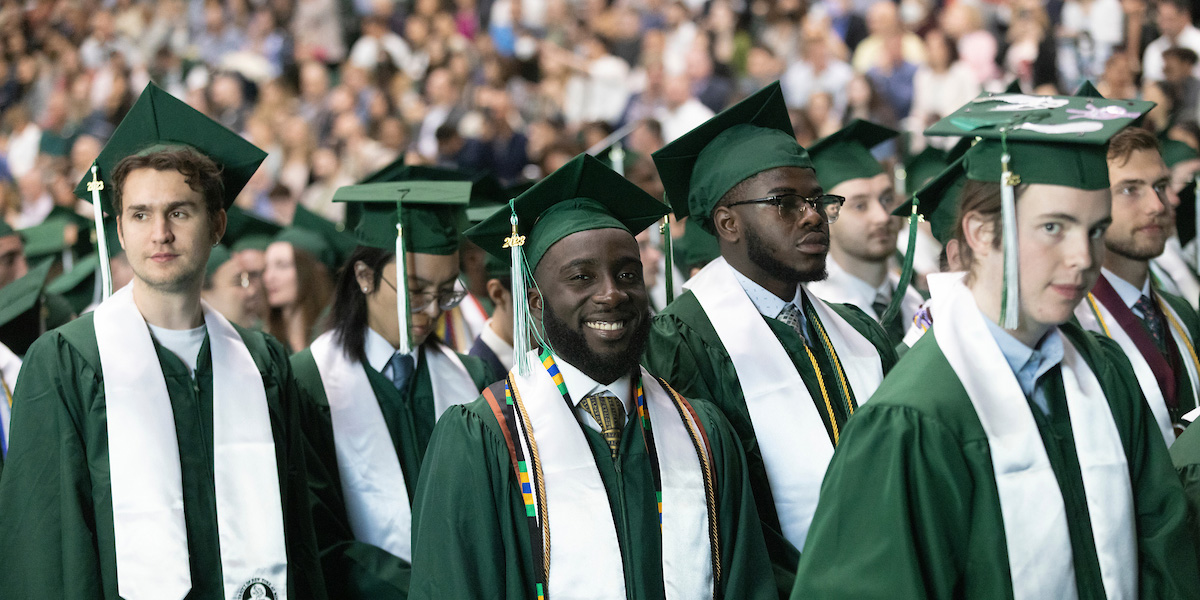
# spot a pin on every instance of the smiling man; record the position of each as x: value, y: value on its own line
x: 863, y: 239
x: 1157, y: 330
x: 156, y: 449
x: 786, y: 368
x: 580, y: 475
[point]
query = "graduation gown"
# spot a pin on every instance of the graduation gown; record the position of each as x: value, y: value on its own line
x: 1185, y: 453
x: 356, y: 569
x: 56, y: 532
x: 470, y: 530
x: 685, y: 349
x: 910, y: 507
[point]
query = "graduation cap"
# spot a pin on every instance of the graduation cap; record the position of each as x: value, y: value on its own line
x: 582, y: 195
x: 750, y: 137
x: 80, y: 285
x: 20, y: 309
x: 695, y: 248
x: 310, y: 242
x: 46, y: 239
x: 159, y: 121
x: 219, y: 256
x: 1052, y: 140
x: 1173, y: 153
x: 923, y: 166
x: 486, y: 190
x: 846, y: 153
x: 247, y: 231
x: 408, y: 216
x: 618, y: 158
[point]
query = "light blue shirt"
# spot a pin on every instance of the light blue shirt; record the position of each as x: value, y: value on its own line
x: 379, y: 353
x: 1027, y: 363
x: 767, y: 303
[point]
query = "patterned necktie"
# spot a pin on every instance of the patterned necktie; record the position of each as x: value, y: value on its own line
x: 791, y: 315
x: 1153, y: 321
x: 893, y: 327
x: 609, y: 413
x: 402, y: 368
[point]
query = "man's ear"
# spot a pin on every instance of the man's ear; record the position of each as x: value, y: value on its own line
x: 219, y: 225
x: 727, y: 225
x: 533, y: 297
x: 979, y: 231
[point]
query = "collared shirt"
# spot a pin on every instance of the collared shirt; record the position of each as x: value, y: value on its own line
x: 580, y: 386
x: 379, y: 353
x: 843, y: 287
x: 1128, y: 293
x: 502, y: 349
x: 767, y: 303
x: 1027, y: 363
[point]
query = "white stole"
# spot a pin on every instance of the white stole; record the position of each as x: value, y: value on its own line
x: 451, y: 382
x: 377, y: 500
x: 1031, y: 503
x: 10, y: 368
x: 585, y: 557
x: 789, y: 429
x: 938, y: 284
x: 1141, y: 368
x: 147, y: 488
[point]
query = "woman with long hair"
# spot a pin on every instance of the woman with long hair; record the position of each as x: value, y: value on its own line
x: 1010, y: 454
x: 374, y: 389
x: 298, y: 286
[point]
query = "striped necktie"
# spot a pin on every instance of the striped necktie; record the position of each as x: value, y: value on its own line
x: 609, y: 413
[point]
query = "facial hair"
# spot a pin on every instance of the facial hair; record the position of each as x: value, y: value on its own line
x: 571, y: 345
x: 760, y: 255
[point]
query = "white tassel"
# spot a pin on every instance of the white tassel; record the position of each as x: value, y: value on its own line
x: 403, y: 316
x: 94, y: 186
x: 520, y: 300
x: 1010, y: 313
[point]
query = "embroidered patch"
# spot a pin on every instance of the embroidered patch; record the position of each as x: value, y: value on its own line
x: 257, y: 589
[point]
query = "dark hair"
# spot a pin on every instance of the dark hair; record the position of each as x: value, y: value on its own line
x: 312, y: 295
x: 348, y: 317
x: 1129, y: 140
x: 199, y: 171
x: 1186, y: 55
x: 982, y: 197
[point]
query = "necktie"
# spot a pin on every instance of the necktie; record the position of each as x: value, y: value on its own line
x: 402, y: 368
x: 1153, y: 321
x: 893, y: 327
x: 791, y: 315
x: 608, y: 411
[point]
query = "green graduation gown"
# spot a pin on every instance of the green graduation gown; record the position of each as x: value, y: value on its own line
x: 1185, y: 453
x: 685, y: 350
x: 356, y: 569
x: 56, y: 521
x: 910, y: 507
x: 470, y: 532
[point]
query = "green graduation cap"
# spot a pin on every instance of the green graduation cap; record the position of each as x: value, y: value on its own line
x: 938, y: 200
x: 20, y: 318
x: 923, y: 166
x: 310, y: 242
x: 80, y: 285
x: 46, y: 239
x: 246, y: 230
x: 219, y: 256
x: 1052, y: 140
x: 5, y: 229
x: 1175, y: 151
x: 750, y: 137
x: 156, y: 121
x: 419, y: 216
x: 486, y: 190
x: 582, y: 195
x: 846, y: 153
x: 694, y: 249
x: 618, y: 157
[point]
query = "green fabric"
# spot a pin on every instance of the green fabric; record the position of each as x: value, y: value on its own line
x: 311, y: 242
x: 685, y: 349
x: 1185, y: 454
x: 78, y: 286
x: 914, y: 476
x: 470, y: 532
x: 157, y: 118
x: 353, y: 569
x: 57, y: 472
x: 923, y: 166
x: 22, y: 294
x: 1078, y: 166
x: 1190, y: 321
x: 1175, y: 152
x: 694, y: 249
x: 45, y: 239
x: 750, y: 137
x: 6, y: 229
x: 342, y: 243
x: 938, y: 200
x: 486, y: 191
x: 563, y: 203
x: 244, y: 230
x: 846, y: 153
x: 220, y: 255
x: 428, y: 229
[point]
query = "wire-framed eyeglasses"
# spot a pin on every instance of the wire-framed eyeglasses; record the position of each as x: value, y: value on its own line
x: 419, y: 301
x: 791, y: 206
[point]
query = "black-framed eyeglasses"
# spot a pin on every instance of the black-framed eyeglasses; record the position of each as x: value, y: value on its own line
x: 419, y: 301
x: 791, y: 206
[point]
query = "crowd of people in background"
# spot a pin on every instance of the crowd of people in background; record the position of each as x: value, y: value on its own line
x: 335, y: 89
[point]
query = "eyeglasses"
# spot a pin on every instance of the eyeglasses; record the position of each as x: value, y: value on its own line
x: 419, y: 301
x: 791, y: 206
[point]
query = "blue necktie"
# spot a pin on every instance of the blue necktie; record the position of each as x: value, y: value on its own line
x: 402, y: 368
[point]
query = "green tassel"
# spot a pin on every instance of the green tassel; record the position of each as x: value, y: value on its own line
x: 906, y: 270
x: 520, y: 287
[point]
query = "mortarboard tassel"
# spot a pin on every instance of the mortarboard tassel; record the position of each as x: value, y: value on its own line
x: 669, y: 276
x: 94, y: 186
x: 403, y: 316
x: 906, y: 270
x: 1011, y: 295
x: 1196, y: 205
x: 520, y: 287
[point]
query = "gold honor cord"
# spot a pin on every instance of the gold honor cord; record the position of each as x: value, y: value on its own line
x: 1170, y: 316
x: 1096, y: 311
x: 7, y: 390
x: 710, y: 493
x: 824, y: 395
x: 837, y: 364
